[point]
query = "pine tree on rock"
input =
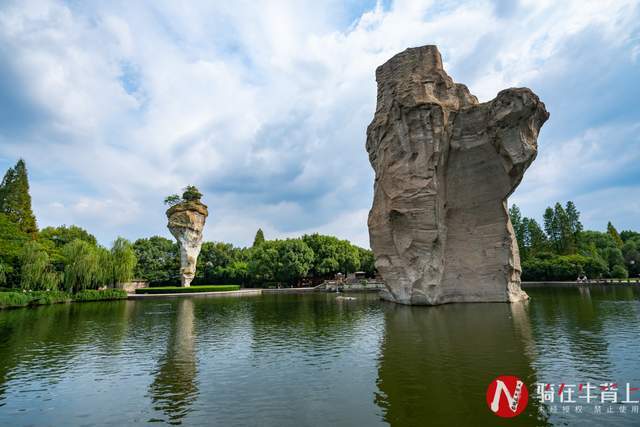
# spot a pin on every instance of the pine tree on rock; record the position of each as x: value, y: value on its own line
x: 15, y: 201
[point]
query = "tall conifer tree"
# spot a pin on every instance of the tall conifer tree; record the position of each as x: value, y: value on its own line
x: 15, y: 201
x: 259, y: 239
x: 611, y: 230
x: 537, y: 238
x: 551, y: 228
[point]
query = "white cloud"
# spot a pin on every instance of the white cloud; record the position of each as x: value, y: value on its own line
x: 588, y: 169
x: 263, y: 106
x: 347, y: 225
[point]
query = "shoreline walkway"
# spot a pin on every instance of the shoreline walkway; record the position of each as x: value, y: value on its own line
x: 260, y: 291
x: 574, y: 284
x: 238, y: 293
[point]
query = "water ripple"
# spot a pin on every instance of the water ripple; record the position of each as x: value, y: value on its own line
x: 305, y: 359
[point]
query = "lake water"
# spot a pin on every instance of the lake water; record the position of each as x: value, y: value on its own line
x: 294, y: 360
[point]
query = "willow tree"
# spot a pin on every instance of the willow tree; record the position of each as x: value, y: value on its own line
x: 104, y: 269
x: 15, y: 201
x: 123, y: 259
x: 4, y: 269
x: 36, y: 272
x: 81, y: 267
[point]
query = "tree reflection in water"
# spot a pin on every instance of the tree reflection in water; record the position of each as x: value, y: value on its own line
x: 309, y: 359
x: 45, y: 343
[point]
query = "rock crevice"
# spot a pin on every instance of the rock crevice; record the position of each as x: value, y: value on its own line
x: 445, y: 165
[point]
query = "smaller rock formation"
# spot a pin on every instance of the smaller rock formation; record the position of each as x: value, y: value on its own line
x: 186, y: 222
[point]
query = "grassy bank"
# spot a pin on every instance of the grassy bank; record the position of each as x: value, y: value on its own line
x: 189, y: 290
x: 107, y: 294
x: 14, y: 299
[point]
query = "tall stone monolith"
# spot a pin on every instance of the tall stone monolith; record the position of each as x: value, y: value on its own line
x: 186, y: 222
x: 444, y: 166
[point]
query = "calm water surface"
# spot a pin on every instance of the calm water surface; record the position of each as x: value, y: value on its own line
x: 293, y: 360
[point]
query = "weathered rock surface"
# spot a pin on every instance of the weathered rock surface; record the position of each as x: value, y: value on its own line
x: 445, y: 165
x: 186, y: 222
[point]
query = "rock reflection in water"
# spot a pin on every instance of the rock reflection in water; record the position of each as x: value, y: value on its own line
x: 292, y: 360
x: 436, y: 362
x: 175, y: 387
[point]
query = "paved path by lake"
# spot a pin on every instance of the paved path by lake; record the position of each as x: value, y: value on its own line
x: 610, y: 282
x: 238, y: 293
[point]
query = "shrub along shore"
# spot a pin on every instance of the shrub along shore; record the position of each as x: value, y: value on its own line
x: 16, y: 299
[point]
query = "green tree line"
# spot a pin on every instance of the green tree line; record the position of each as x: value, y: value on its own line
x: 54, y: 258
x: 267, y: 262
x: 561, y: 249
x: 69, y: 258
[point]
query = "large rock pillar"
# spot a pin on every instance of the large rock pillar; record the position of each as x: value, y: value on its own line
x: 186, y: 222
x: 444, y: 166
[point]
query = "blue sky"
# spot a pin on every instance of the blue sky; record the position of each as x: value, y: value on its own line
x: 115, y: 105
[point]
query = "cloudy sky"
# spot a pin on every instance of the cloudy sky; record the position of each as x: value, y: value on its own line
x: 264, y: 105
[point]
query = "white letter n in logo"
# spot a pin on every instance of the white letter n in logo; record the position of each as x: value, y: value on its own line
x: 501, y: 388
